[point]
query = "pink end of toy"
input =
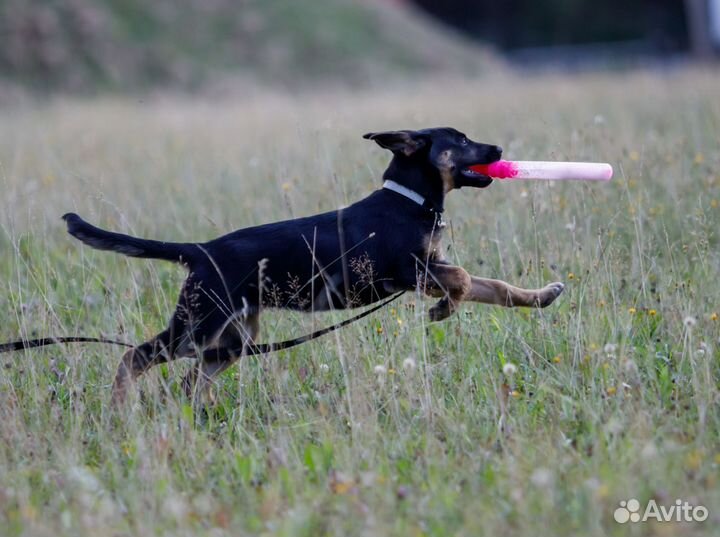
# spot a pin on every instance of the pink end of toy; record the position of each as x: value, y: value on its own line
x: 502, y: 169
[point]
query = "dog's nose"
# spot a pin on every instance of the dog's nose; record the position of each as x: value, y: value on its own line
x: 498, y: 150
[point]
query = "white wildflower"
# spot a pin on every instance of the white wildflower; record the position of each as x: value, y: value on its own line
x: 409, y: 364
x: 84, y: 479
x: 542, y: 478
x: 509, y: 369
x: 175, y: 506
x: 649, y: 451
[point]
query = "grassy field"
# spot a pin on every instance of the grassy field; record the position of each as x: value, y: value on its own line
x: 394, y: 426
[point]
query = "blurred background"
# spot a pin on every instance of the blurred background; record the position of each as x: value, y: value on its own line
x: 98, y: 46
x: 186, y: 119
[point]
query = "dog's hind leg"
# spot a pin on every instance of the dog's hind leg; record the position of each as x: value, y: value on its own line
x: 164, y: 347
x: 241, y: 333
x: 138, y: 360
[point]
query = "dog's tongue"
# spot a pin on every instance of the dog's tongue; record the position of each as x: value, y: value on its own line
x: 501, y: 169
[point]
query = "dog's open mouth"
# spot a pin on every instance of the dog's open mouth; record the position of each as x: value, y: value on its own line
x: 474, y: 173
x: 473, y: 176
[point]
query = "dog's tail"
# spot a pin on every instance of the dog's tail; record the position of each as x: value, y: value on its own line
x: 127, y: 245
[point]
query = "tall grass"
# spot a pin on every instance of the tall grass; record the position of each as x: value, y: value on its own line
x: 395, y: 426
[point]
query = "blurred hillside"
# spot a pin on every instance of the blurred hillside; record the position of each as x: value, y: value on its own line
x: 659, y: 25
x: 117, y: 45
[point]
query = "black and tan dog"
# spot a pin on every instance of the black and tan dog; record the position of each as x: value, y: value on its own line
x: 387, y: 242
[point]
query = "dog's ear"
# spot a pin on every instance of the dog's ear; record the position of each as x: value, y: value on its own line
x: 405, y: 142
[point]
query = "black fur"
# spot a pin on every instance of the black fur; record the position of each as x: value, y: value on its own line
x: 340, y: 259
x: 125, y: 244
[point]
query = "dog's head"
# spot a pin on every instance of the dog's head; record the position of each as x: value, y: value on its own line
x: 442, y: 155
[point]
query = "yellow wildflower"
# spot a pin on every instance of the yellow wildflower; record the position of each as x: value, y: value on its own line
x: 694, y: 459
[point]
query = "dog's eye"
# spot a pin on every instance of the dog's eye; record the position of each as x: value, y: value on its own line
x: 464, y: 141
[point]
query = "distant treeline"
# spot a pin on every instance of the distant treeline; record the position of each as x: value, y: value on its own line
x: 513, y: 24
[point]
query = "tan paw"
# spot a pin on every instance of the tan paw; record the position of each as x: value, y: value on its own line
x: 441, y: 310
x: 549, y: 293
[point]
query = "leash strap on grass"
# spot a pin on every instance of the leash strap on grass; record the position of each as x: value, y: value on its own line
x: 42, y: 342
x: 223, y: 353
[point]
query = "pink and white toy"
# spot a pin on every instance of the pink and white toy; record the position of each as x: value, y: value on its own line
x: 529, y: 169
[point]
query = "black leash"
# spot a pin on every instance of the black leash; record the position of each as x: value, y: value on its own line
x: 223, y: 353
x: 43, y: 341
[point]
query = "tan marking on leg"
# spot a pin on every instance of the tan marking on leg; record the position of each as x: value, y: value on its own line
x: 449, y: 282
x: 124, y: 377
x: 138, y: 360
x: 500, y: 293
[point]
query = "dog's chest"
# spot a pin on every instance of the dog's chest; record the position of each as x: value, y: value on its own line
x: 432, y: 243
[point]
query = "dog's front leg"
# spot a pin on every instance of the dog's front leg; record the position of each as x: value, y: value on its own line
x: 454, y: 285
x: 500, y: 293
